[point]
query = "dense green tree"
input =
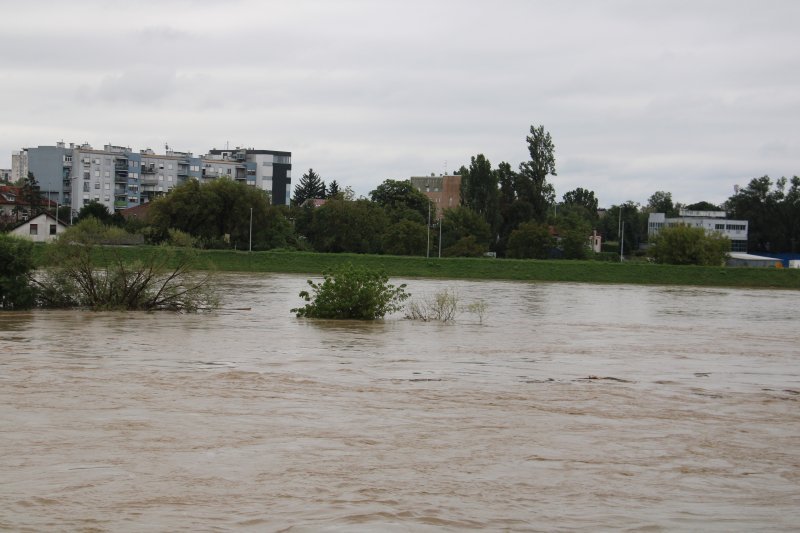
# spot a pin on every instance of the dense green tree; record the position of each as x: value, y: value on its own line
x: 773, y: 213
x: 333, y: 189
x: 518, y: 212
x: 703, y: 206
x: 309, y: 187
x: 16, y: 264
x: 532, y: 240
x: 634, y: 223
x: 219, y: 212
x: 687, y: 245
x: 479, y: 190
x: 345, y: 226
x: 405, y: 237
x: 460, y: 222
x: 531, y: 184
x: 465, y: 247
x: 574, y: 230
x: 506, y: 177
x: 583, y: 198
x: 661, y: 202
x: 400, y: 197
x: 96, y: 210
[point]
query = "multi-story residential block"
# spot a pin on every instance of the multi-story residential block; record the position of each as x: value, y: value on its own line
x: 19, y: 165
x: 710, y: 221
x: 268, y: 170
x: 5, y: 175
x: 119, y: 177
x: 444, y: 191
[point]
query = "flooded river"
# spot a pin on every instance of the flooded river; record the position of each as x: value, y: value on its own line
x: 570, y: 407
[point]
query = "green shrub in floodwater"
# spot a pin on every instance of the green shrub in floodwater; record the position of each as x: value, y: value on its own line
x: 352, y: 292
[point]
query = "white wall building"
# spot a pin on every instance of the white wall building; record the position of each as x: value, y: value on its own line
x: 711, y: 221
x: 41, y: 228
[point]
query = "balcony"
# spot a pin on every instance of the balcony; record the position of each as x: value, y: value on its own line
x: 120, y: 204
x: 148, y: 169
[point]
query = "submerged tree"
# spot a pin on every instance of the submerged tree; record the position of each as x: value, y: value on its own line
x: 16, y: 263
x: 352, y: 293
x: 100, y: 278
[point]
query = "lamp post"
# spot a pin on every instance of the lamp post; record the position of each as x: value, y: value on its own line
x: 440, y: 237
x: 428, y: 246
x: 250, y: 249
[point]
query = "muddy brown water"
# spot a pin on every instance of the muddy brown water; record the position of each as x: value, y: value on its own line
x: 570, y: 407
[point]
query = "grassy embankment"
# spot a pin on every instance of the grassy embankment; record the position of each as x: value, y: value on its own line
x: 483, y: 268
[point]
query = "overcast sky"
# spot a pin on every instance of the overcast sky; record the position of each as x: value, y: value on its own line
x: 690, y: 97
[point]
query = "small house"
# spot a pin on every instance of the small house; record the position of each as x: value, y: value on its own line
x: 41, y: 228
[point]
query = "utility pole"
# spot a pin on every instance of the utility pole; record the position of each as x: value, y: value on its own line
x: 619, y: 233
x: 251, y: 230
x: 428, y: 246
x: 440, y: 237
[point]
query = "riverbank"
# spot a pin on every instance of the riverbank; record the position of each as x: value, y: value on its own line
x: 638, y: 273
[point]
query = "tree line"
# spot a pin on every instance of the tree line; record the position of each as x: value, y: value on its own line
x: 512, y: 212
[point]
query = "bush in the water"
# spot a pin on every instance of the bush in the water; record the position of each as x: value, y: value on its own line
x: 443, y: 306
x: 99, y: 278
x: 352, y: 292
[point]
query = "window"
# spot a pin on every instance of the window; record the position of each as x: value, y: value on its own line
x: 86, y: 187
x: 169, y: 166
x: 97, y: 185
x: 161, y: 177
x: 86, y: 175
x: 229, y: 171
x: 34, y: 229
x: 108, y: 186
x: 68, y: 159
x: 97, y: 161
x: 53, y: 229
x: 96, y: 173
x: 719, y: 226
x: 161, y: 166
x: 108, y: 174
x: 169, y: 178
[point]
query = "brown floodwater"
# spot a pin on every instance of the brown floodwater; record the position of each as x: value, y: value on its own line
x: 570, y: 407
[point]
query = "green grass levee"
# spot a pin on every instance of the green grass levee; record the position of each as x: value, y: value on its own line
x: 475, y: 268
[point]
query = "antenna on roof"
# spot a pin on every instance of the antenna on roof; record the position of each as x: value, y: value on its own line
x: 166, y: 147
x: 445, y: 167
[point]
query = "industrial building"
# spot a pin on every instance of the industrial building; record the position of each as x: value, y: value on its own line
x: 710, y: 221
